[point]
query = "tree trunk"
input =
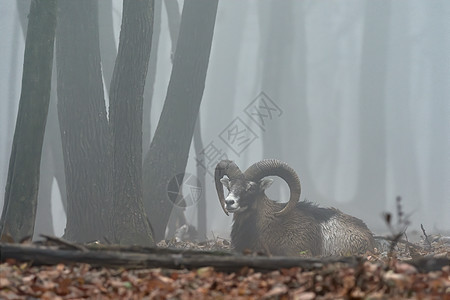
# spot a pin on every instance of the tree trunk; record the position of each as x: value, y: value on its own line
x: 277, y: 78
x: 22, y: 185
x: 83, y: 121
x: 150, y: 81
x: 438, y: 172
x: 201, y: 175
x: 126, y: 103
x: 108, y: 46
x: 170, y: 145
x: 173, y: 18
x: 405, y: 175
x: 371, y: 190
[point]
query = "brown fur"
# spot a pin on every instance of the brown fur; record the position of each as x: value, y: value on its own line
x: 292, y: 229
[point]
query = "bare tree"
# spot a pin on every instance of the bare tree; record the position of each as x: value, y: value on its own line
x: 22, y: 186
x: 170, y: 145
x: 52, y: 164
x: 126, y: 102
x: 85, y: 131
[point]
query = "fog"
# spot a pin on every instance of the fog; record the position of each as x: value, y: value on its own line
x: 354, y: 95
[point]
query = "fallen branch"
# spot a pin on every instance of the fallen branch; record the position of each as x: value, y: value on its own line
x: 144, y: 257
x: 172, y: 259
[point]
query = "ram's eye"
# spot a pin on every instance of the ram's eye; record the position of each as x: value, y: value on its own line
x: 251, y: 187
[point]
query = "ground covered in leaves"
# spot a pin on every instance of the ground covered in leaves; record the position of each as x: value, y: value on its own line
x: 382, y: 275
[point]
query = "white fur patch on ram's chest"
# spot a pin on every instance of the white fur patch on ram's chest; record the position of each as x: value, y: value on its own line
x: 337, y: 237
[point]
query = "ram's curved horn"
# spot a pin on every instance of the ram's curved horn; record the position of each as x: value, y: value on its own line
x: 229, y: 168
x: 274, y: 167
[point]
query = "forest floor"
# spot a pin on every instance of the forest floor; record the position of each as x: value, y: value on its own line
x: 388, y: 273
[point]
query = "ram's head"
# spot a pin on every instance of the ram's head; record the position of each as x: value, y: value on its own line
x: 243, y: 188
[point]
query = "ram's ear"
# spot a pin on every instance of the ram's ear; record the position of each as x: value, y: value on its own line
x: 226, y: 182
x: 265, y: 183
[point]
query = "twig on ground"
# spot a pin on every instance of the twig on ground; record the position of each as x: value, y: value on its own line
x: 400, y: 228
x: 427, y: 241
x: 64, y: 242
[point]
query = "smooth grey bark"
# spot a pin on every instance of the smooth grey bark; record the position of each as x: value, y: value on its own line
x: 52, y: 164
x: 177, y: 217
x: 85, y: 132
x: 173, y: 16
x: 125, y: 111
x: 22, y: 185
x: 170, y: 145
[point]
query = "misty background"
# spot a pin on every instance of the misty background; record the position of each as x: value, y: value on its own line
x: 354, y: 95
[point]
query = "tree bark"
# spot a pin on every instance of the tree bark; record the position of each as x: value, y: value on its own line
x: 126, y: 104
x: 170, y: 145
x: 22, y: 185
x: 85, y: 132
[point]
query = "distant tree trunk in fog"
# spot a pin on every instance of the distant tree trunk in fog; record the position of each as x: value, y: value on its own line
x: 19, y: 210
x: 201, y: 175
x: 404, y: 167
x: 276, y: 60
x: 173, y: 17
x: 8, y: 113
x: 126, y: 103
x: 150, y: 81
x: 108, y: 46
x: 283, y: 76
x: 84, y: 126
x: 228, y: 47
x: 177, y: 217
x: 438, y: 173
x: 371, y: 189
x: 302, y: 127
x: 44, y: 220
x: 170, y: 145
x: 52, y: 164
x: 52, y: 167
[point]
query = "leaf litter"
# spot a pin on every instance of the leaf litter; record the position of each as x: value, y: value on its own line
x: 379, y: 276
